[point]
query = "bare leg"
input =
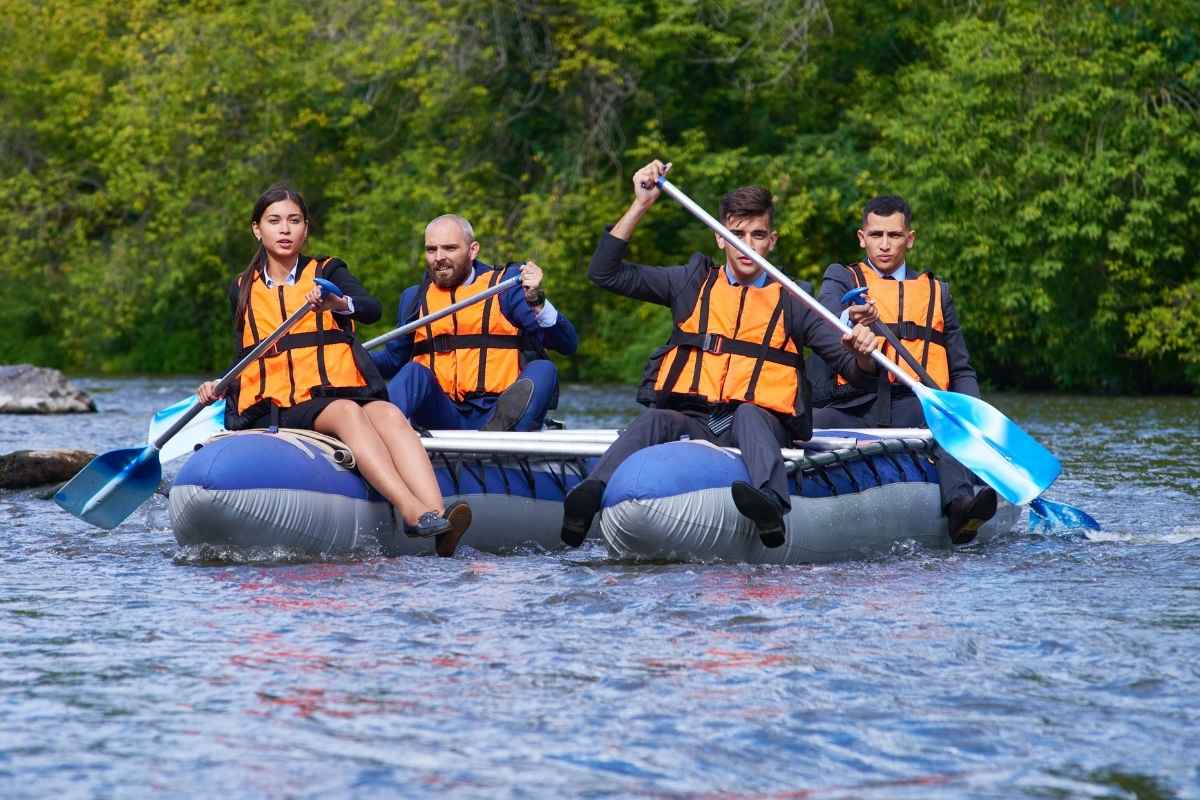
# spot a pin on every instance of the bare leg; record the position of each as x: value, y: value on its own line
x: 408, y: 456
x: 348, y: 421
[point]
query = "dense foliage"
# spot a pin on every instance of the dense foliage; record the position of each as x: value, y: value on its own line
x: 1048, y: 150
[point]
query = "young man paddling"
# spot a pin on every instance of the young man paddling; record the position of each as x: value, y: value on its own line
x: 484, y: 366
x: 918, y: 310
x: 732, y: 372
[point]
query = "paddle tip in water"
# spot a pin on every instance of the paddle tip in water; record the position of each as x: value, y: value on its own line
x: 1047, y: 516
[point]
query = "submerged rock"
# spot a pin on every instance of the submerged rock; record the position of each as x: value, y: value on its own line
x: 26, y: 389
x: 24, y: 468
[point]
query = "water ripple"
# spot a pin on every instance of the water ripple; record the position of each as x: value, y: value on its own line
x: 1034, y: 666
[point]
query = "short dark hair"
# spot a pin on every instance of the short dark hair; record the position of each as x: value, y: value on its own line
x: 886, y: 205
x: 748, y: 201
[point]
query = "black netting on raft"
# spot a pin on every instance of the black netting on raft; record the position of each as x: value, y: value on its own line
x: 536, y: 477
x: 870, y: 464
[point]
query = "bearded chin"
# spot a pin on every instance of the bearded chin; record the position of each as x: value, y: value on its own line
x: 449, y: 281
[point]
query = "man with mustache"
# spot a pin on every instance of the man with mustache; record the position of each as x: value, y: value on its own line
x: 919, y: 311
x: 484, y: 367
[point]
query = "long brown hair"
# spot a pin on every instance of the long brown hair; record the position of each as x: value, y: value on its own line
x: 253, y: 271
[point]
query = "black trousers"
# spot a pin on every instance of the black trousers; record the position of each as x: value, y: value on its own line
x: 954, y: 479
x: 758, y: 433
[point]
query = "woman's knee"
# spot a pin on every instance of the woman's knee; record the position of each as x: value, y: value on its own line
x: 339, y: 412
x: 382, y: 412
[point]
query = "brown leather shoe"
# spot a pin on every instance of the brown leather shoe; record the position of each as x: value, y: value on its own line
x: 458, y: 514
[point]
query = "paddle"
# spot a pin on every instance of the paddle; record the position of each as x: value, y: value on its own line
x: 115, y: 483
x: 211, y: 420
x: 1044, y: 515
x: 980, y: 437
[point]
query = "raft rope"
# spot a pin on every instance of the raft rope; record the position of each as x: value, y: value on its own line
x: 907, y: 456
x: 513, y: 470
x: 336, y: 449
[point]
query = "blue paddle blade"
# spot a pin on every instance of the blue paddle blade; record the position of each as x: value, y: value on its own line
x: 210, y: 421
x: 111, y: 486
x: 1046, y: 516
x: 989, y: 444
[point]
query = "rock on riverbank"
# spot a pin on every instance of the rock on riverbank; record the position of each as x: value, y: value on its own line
x: 22, y: 469
x: 26, y: 389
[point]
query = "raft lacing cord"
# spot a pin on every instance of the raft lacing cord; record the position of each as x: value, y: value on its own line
x: 818, y: 465
x: 334, y: 448
x: 476, y: 464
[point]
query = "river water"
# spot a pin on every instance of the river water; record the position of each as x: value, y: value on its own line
x: 1035, y: 666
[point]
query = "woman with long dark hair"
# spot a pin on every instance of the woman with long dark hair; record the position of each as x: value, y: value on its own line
x: 318, y: 376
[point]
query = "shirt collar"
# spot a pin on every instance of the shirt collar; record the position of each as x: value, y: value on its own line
x: 467, y: 281
x: 757, y: 283
x: 900, y: 273
x: 288, y: 281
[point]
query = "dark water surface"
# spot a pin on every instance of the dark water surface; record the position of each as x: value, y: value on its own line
x: 1062, y: 666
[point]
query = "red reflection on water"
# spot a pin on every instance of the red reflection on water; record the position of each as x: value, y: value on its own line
x: 310, y: 702
x: 720, y: 660
x: 722, y: 588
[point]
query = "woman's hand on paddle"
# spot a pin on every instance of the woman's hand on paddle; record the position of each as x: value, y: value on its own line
x: 207, y: 392
x: 865, y: 314
x: 645, y: 182
x: 862, y: 342
x: 322, y: 301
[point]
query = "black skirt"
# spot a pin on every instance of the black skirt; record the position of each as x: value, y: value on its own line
x: 304, y: 415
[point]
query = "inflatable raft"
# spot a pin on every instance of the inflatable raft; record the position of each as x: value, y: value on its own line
x: 848, y: 503
x: 299, y: 490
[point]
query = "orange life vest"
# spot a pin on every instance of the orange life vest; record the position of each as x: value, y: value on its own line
x: 901, y: 304
x: 733, y: 348
x: 474, y: 351
x: 314, y: 356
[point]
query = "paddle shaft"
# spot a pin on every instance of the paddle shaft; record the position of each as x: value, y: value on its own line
x: 775, y: 273
x: 445, y: 312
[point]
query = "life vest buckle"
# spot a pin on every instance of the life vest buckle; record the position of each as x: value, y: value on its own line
x: 442, y: 343
x: 713, y: 343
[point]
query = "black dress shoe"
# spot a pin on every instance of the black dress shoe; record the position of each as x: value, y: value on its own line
x: 510, y: 406
x: 965, y: 515
x: 579, y: 508
x: 762, y: 509
x: 458, y: 514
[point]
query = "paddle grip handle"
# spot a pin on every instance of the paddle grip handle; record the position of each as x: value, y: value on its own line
x: 853, y: 296
x: 328, y: 287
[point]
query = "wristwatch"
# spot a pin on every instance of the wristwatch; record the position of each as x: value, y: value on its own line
x: 539, y: 297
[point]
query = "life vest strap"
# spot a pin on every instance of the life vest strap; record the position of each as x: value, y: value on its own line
x: 912, y: 331
x: 717, y: 345
x: 310, y: 339
x: 447, y: 342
